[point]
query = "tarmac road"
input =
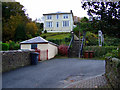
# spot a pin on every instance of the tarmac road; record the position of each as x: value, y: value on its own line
x: 53, y: 73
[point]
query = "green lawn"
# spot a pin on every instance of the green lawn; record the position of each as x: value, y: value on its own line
x: 56, y: 35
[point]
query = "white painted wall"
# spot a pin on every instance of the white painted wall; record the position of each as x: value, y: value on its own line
x: 60, y: 20
x: 52, y: 50
x: 25, y: 46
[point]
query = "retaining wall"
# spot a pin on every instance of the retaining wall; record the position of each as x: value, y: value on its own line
x: 113, y: 71
x: 15, y: 59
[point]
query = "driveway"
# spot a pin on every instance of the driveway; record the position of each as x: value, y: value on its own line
x: 53, y: 73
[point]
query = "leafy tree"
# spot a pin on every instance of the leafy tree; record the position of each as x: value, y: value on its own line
x: 40, y: 28
x: 109, y: 12
x: 20, y: 32
x: 12, y: 8
x: 9, y: 27
x: 13, y: 14
x: 84, y: 19
x: 31, y: 29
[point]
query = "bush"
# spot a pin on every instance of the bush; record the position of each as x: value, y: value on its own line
x: 5, y: 46
x: 91, y: 39
x: 100, y: 51
x: 114, y: 53
x: 62, y: 50
x: 13, y: 45
x: 44, y: 37
x: 76, y: 30
x: 119, y: 52
x: 108, y: 41
x: 45, y: 31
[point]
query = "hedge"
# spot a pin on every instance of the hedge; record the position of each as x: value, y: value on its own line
x: 100, y: 51
x: 5, y: 46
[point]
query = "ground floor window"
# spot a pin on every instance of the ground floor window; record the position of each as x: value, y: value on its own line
x: 57, y: 24
x: 65, y: 23
x: 33, y: 46
x: 49, y: 24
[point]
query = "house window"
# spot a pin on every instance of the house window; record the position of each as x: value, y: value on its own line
x: 57, y: 24
x: 57, y: 16
x: 33, y: 46
x: 65, y: 16
x: 49, y: 17
x: 65, y: 23
x: 48, y: 24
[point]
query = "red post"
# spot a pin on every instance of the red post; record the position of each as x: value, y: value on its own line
x: 37, y: 50
x: 39, y: 56
x: 47, y: 54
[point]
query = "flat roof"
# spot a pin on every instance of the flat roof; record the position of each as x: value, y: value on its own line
x: 59, y: 13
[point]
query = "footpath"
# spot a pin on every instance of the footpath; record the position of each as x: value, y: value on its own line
x: 94, y: 82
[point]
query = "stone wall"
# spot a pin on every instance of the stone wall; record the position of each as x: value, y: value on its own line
x: 113, y: 71
x: 15, y: 58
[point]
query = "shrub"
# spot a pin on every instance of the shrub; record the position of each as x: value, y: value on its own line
x: 17, y: 46
x: 108, y: 41
x: 45, y: 31
x: 76, y: 30
x: 100, y: 51
x: 13, y: 45
x: 62, y: 50
x: 5, y: 46
x: 119, y: 52
x: 114, y: 53
x: 44, y: 37
x: 91, y: 39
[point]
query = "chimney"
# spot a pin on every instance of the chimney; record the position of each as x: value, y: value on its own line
x: 71, y: 11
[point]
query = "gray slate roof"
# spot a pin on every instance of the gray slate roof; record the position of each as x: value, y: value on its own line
x: 34, y: 40
x: 37, y: 40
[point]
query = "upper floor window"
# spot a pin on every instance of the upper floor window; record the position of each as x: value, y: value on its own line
x: 65, y: 16
x: 57, y: 16
x: 49, y: 17
x: 49, y: 24
x: 65, y: 23
x: 57, y: 24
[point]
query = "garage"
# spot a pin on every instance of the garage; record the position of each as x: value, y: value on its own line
x: 46, y: 48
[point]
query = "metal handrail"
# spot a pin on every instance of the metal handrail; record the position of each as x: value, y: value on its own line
x: 71, y: 42
x: 81, y: 48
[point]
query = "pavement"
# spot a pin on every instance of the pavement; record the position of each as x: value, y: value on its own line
x: 94, y: 82
x: 56, y: 73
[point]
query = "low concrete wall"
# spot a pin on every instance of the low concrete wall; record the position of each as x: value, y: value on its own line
x: 15, y: 59
x: 113, y: 71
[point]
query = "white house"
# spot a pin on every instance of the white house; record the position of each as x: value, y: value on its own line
x: 47, y: 49
x: 58, y: 22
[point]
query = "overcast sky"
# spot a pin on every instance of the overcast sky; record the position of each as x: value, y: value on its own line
x: 36, y: 8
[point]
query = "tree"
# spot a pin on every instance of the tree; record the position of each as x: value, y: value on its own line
x: 12, y: 8
x: 20, y: 32
x: 109, y: 12
x: 9, y: 27
x: 13, y: 14
x: 31, y: 29
x: 84, y: 19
